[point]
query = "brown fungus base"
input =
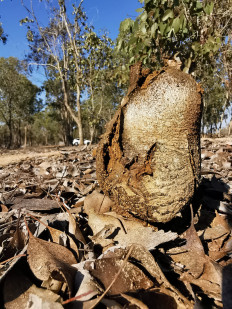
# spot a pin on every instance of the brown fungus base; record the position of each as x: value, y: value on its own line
x: 148, y: 160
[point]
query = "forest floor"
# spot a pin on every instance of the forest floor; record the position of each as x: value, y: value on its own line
x: 59, y: 238
x: 15, y: 156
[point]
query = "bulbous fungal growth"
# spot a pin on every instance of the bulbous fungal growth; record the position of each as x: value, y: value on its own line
x: 148, y: 160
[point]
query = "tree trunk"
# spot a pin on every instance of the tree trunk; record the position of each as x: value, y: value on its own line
x: 79, y: 123
x: 92, y: 132
x: 148, y: 160
x: 78, y: 120
x: 230, y: 128
x: 25, y: 136
x: 19, y: 133
x: 10, y: 125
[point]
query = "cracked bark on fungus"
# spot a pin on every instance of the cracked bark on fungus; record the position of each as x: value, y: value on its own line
x: 148, y: 160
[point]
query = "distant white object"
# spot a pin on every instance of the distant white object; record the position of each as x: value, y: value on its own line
x: 87, y: 142
x: 76, y: 142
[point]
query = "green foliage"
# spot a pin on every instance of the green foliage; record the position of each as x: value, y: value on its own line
x: 3, y: 36
x: 46, y: 128
x: 17, y: 95
x: 198, y: 32
x: 214, y: 100
x: 166, y: 28
x: 102, y: 89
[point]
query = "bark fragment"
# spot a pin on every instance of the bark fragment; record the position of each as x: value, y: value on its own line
x: 148, y: 160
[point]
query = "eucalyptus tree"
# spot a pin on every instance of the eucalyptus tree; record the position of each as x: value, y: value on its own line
x: 46, y: 128
x: 197, y: 32
x: 103, y: 91
x: 59, y: 48
x: 54, y: 101
x: 192, y: 30
x: 18, y: 100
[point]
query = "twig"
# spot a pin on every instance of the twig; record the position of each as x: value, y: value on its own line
x: 115, y: 278
x: 41, y: 222
x: 106, y: 291
x: 12, y: 258
x: 76, y: 297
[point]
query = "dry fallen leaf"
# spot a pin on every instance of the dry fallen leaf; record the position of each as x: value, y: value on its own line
x: 18, y: 288
x: 131, y: 278
x: 84, y: 282
x: 47, y: 259
x: 42, y: 301
x: 74, y: 229
x: 16, y: 243
x: 37, y: 204
x: 135, y: 301
x: 97, y: 203
x: 201, y: 271
x: 3, y: 208
x: 217, y: 236
x: 194, y: 248
x: 128, y: 232
x: 58, y: 236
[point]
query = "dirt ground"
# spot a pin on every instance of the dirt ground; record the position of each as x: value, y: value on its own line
x: 15, y: 156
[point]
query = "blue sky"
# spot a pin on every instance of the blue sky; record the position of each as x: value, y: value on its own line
x: 102, y: 14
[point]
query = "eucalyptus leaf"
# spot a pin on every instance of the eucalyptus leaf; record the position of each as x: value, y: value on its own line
x: 195, y: 46
x: 156, y: 14
x: 154, y: 27
x: 208, y: 9
x: 168, y: 30
x: 147, y: 42
x: 125, y: 24
x: 144, y: 16
x: 206, y: 48
x: 176, y: 24
x: 181, y: 18
x: 119, y: 44
x: 136, y: 26
x: 168, y: 14
x: 199, y: 5
x: 143, y: 28
x: 188, y: 62
x: 162, y: 27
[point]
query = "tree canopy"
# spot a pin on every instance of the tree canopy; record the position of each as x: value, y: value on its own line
x: 3, y: 36
x: 198, y: 33
x: 74, y: 57
x: 18, y: 100
x: 192, y: 30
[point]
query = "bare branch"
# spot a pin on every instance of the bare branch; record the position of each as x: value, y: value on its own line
x: 43, y: 64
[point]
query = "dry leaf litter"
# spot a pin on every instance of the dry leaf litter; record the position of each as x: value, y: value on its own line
x: 61, y: 246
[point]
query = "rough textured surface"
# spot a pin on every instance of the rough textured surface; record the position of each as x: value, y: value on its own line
x: 148, y: 160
